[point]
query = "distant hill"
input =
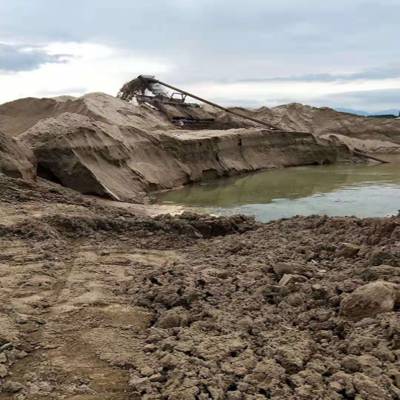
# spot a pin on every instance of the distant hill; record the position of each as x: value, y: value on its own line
x: 392, y: 111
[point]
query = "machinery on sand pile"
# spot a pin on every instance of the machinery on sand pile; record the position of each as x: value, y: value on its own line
x: 148, y: 90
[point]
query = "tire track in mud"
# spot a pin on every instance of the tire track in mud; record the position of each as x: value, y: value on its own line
x: 55, y: 345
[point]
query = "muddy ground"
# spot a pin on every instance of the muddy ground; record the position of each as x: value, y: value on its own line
x: 99, y: 304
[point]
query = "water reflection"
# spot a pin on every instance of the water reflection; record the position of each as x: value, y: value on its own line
x: 333, y: 190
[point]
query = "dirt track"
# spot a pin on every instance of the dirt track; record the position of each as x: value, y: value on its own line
x: 97, y: 303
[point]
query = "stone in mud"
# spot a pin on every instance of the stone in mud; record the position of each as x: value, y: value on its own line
x: 370, y: 300
x: 266, y: 375
x: 291, y: 359
x: 342, y: 382
x: 289, y: 279
x: 173, y: 318
x: 368, y: 388
x: 283, y: 268
x: 351, y: 363
x: 382, y: 272
x: 319, y: 292
x: 3, y: 371
x: 382, y: 256
x: 348, y: 250
x: 296, y: 299
x: 11, y: 387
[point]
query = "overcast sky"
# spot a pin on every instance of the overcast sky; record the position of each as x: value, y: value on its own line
x: 338, y: 53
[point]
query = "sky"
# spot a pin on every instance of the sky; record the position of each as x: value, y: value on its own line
x: 341, y: 54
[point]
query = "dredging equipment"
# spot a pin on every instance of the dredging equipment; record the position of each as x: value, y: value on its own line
x: 146, y: 89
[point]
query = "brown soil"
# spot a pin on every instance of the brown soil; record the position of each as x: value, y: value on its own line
x: 99, y: 303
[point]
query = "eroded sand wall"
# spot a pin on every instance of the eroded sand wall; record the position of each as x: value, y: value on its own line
x: 125, y: 163
x: 98, y: 144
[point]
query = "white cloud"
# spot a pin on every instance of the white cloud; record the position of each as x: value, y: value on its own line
x: 87, y: 67
x: 90, y: 67
x: 272, y: 93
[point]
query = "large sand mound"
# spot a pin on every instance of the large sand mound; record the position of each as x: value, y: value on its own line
x: 123, y: 151
x: 18, y: 116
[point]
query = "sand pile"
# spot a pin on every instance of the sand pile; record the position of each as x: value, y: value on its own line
x: 368, y: 134
x: 18, y: 116
x: 98, y: 303
x: 111, y: 148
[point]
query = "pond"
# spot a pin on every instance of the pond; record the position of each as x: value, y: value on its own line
x: 335, y: 190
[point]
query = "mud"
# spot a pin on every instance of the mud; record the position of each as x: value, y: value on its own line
x: 100, y: 303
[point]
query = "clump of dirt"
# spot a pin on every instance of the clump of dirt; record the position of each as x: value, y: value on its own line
x: 16, y: 160
x: 96, y: 302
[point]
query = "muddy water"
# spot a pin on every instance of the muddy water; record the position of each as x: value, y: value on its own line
x: 333, y: 190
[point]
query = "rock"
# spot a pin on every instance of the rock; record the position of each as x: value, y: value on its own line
x: 351, y: 364
x: 342, y: 382
x: 291, y: 278
x: 368, y: 388
x: 273, y: 293
x: 370, y: 300
x: 282, y: 268
x: 3, y: 358
x: 395, y: 375
x: 382, y: 256
x: 319, y: 292
x: 296, y: 299
x: 348, y: 250
x: 12, y: 387
x: 3, y: 371
x: 235, y: 395
x: 381, y: 272
x: 369, y: 364
x: 173, y: 318
x: 290, y: 358
x: 265, y: 375
x: 136, y: 381
x: 16, y: 159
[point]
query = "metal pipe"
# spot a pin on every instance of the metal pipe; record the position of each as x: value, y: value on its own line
x: 362, y: 154
x: 269, y: 126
